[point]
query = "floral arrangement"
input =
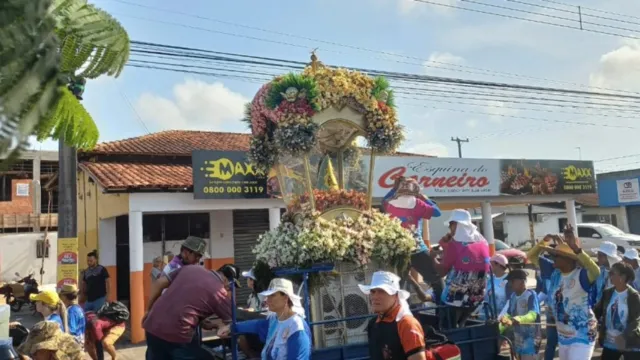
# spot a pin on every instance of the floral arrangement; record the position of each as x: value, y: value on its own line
x: 280, y: 113
x: 326, y: 199
x: 308, y: 239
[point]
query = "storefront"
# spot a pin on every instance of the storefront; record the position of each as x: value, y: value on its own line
x: 138, y: 198
x: 619, y: 193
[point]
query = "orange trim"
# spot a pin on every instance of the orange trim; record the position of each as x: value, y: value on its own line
x: 492, y: 249
x: 146, y: 280
x: 137, y: 306
x: 113, y: 282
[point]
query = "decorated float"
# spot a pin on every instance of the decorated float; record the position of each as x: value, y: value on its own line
x: 321, y: 130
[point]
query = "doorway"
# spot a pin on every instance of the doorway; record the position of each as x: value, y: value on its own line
x: 122, y: 258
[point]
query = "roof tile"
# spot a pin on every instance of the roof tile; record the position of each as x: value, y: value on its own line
x: 112, y: 175
x: 175, y: 143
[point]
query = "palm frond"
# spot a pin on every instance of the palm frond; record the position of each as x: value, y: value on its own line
x: 93, y: 42
x: 29, y: 75
x: 71, y: 121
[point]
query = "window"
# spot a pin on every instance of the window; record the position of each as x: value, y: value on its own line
x: 158, y: 227
x: 501, y: 246
x: 42, y: 249
x: 587, y: 232
x: 5, y: 188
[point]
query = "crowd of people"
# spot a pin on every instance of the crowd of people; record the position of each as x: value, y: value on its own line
x: 588, y: 303
x: 70, y: 330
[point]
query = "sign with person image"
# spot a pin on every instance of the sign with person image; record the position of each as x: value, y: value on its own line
x: 546, y: 177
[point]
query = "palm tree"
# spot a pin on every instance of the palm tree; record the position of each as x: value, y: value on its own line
x: 47, y: 50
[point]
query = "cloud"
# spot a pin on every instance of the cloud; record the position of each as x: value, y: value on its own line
x: 498, y: 110
x: 413, y: 7
x: 472, y: 123
x: 429, y: 148
x: 195, y: 105
x: 619, y: 68
x: 442, y: 60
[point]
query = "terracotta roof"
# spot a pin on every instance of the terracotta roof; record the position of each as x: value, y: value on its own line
x: 120, y: 175
x: 175, y: 143
x: 112, y: 175
x: 589, y: 200
x: 182, y: 143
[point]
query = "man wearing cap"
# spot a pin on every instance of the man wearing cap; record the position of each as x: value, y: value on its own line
x: 572, y: 273
x: 193, y: 294
x: 192, y: 250
x: 607, y: 255
x: 395, y: 333
x: 631, y: 257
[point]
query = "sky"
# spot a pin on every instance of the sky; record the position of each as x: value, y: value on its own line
x: 407, y: 36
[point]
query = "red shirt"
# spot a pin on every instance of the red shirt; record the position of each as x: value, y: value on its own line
x: 195, y: 294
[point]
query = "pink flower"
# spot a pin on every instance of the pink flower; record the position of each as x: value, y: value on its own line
x: 260, y: 113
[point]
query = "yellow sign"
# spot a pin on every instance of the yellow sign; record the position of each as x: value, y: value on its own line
x: 573, y: 173
x: 225, y: 169
x: 67, y: 261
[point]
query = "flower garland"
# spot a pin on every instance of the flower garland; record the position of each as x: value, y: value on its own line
x: 326, y: 199
x: 281, y: 112
x: 309, y: 239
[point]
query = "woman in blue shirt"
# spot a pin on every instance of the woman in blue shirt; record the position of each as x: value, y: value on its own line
x: 286, y: 333
x: 619, y: 315
x: 75, y: 314
x: 48, y: 304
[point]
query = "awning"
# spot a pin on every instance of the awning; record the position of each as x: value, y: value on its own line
x: 479, y: 217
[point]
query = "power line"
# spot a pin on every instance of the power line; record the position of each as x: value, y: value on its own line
x: 353, y: 47
x: 536, y: 21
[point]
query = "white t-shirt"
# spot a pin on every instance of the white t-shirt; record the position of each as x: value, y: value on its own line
x: 277, y: 346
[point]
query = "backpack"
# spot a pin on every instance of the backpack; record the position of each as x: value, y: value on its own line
x: 438, y: 347
x: 115, y: 311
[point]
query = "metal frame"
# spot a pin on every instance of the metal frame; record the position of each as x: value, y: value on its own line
x: 318, y: 268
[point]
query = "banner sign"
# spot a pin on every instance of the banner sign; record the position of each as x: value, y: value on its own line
x: 67, y: 262
x: 439, y: 177
x: 628, y: 190
x: 226, y: 175
x: 546, y: 177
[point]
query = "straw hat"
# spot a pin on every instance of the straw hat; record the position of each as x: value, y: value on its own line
x: 69, y: 289
x: 46, y: 335
x: 563, y: 250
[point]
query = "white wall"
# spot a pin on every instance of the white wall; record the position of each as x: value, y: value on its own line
x: 220, y: 242
x: 620, y: 213
x: 516, y: 226
x: 18, y: 254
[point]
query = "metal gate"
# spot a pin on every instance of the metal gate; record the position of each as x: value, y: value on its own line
x: 633, y: 217
x: 247, y: 226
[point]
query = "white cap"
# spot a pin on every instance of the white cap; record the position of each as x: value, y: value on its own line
x: 386, y: 281
x: 460, y: 216
x: 610, y: 249
x: 249, y: 274
x: 632, y: 254
x: 284, y: 286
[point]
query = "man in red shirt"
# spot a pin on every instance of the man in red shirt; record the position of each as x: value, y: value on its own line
x: 192, y: 295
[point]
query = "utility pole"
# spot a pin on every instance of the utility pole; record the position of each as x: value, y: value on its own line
x: 67, y: 181
x: 459, y: 141
x: 579, y: 152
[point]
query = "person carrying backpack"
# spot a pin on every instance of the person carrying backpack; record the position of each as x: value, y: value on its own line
x: 104, y: 328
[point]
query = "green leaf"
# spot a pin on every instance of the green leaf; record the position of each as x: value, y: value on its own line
x: 298, y: 81
x: 29, y: 71
x: 71, y: 120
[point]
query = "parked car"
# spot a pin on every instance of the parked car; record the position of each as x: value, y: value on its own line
x: 517, y: 258
x: 592, y: 234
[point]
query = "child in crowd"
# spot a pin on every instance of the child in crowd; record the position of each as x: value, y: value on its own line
x: 523, y: 317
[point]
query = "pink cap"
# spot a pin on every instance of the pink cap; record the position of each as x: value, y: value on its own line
x: 500, y: 259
